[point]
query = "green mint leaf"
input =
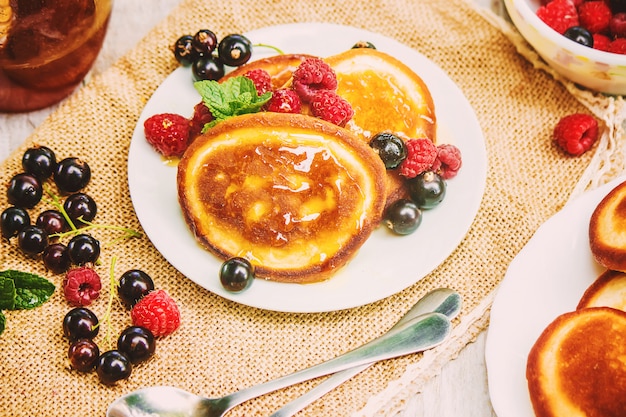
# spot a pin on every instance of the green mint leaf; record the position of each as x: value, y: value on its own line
x: 233, y: 97
x: 3, y: 322
x: 30, y: 290
x: 7, y: 293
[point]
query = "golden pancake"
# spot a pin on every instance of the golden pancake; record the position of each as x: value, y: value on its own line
x: 607, y: 230
x: 608, y: 290
x: 577, y: 367
x: 295, y: 195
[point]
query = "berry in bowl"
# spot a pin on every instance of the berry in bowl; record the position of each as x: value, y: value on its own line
x: 582, y: 40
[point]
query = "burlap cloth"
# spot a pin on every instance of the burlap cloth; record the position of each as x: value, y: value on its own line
x: 222, y: 346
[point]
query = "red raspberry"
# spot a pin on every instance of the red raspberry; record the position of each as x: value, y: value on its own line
x: 618, y: 25
x: 329, y: 106
x: 313, y: 75
x: 448, y: 161
x: 421, y: 155
x: 594, y: 16
x: 284, y: 100
x: 618, y: 46
x: 81, y: 286
x: 157, y: 312
x: 168, y: 133
x: 560, y: 15
x: 576, y: 133
x: 601, y: 42
x: 201, y: 116
x: 262, y: 80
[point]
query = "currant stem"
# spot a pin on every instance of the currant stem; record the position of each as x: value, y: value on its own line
x: 262, y: 45
x: 107, y: 315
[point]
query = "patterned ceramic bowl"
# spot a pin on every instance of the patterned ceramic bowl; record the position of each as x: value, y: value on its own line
x: 596, y: 70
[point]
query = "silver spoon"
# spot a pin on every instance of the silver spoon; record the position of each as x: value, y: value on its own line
x: 415, y: 335
x: 442, y: 300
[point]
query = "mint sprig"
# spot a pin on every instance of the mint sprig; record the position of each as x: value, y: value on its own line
x: 233, y: 97
x: 22, y: 291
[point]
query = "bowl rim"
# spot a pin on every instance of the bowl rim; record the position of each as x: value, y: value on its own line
x: 525, y: 10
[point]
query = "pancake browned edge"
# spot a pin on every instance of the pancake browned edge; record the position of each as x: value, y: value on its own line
x: 576, y: 368
x: 608, y: 290
x: 295, y: 195
x: 607, y: 230
x: 280, y: 68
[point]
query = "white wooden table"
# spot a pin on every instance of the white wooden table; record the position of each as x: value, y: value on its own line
x: 461, y: 389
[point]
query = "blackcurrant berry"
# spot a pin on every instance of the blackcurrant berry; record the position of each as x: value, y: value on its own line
x: 579, y: 35
x: 113, y: 366
x: 71, y: 175
x: 207, y: 68
x: 390, y: 148
x: 403, y: 217
x: 236, y: 274
x: 32, y: 240
x: 12, y: 221
x: 363, y: 44
x: 56, y: 259
x: 133, y: 285
x: 25, y: 190
x: 52, y: 221
x: 205, y: 42
x: 234, y: 50
x: 80, y: 323
x: 138, y: 343
x: 39, y: 161
x: 184, y: 52
x: 83, y: 355
x: 83, y: 249
x: 427, y: 190
x: 80, y: 206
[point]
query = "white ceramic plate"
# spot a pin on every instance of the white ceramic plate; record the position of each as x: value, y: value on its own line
x: 386, y: 264
x: 546, y: 279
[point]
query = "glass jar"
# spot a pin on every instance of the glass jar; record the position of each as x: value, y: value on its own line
x: 47, y: 47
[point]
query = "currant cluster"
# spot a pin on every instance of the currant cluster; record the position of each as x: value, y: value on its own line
x: 208, y: 57
x: 40, y: 238
x: 135, y: 344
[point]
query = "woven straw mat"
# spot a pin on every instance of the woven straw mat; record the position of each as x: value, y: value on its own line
x: 222, y: 346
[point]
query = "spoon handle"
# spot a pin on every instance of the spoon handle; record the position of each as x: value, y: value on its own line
x: 421, y: 333
x: 441, y: 300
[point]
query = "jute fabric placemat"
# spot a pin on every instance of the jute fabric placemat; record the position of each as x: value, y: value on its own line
x: 223, y: 346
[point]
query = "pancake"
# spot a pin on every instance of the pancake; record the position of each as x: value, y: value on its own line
x: 577, y: 366
x: 608, y: 290
x: 293, y: 194
x: 607, y: 230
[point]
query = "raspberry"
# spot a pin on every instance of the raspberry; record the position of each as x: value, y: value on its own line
x: 201, y: 116
x: 421, y: 155
x: 81, y: 286
x: 157, y: 312
x: 448, y: 161
x: 601, y: 42
x: 168, y: 133
x: 560, y: 15
x: 328, y: 105
x: 618, y: 46
x: 576, y: 133
x: 618, y: 25
x: 284, y: 100
x: 261, y: 78
x: 313, y: 75
x: 594, y: 16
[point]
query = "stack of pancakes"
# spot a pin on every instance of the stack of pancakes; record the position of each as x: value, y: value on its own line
x: 577, y: 366
x: 295, y: 195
